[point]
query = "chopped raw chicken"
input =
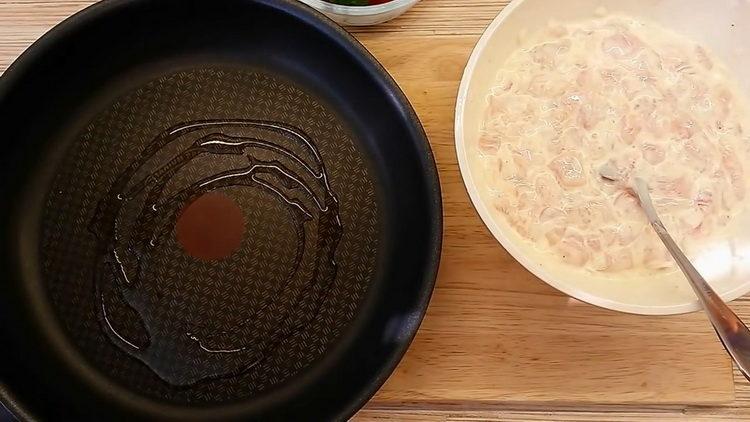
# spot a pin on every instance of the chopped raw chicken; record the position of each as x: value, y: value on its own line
x: 630, y: 95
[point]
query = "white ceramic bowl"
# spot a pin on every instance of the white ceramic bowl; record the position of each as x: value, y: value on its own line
x: 723, y: 26
x: 362, y: 15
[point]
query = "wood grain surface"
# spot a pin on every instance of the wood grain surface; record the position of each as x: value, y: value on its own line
x: 498, y: 344
x: 494, y: 333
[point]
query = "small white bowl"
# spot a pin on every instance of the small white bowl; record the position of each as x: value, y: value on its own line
x: 362, y: 15
x: 723, y: 26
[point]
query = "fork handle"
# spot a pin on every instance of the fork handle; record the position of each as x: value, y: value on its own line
x: 733, y: 333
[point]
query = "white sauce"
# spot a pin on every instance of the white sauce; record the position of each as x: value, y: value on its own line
x: 614, y: 90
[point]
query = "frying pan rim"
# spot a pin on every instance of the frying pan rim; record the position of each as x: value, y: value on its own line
x: 420, y: 141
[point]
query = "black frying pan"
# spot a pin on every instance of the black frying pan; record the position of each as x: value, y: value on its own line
x: 217, y: 209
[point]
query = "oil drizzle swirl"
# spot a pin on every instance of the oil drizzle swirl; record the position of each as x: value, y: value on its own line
x: 176, y: 352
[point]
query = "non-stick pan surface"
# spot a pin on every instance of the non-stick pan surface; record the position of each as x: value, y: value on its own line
x: 215, y: 209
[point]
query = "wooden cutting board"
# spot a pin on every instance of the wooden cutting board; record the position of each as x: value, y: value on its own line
x: 494, y: 333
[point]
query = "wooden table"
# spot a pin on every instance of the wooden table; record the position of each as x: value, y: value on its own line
x: 443, y: 23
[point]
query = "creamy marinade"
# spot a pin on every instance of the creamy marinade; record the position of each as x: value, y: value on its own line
x: 615, y: 91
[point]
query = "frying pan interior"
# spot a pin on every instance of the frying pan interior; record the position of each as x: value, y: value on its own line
x: 212, y: 210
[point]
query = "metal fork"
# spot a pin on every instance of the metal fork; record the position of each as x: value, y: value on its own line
x: 732, y: 331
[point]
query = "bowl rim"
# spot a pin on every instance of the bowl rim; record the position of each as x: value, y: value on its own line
x: 374, y: 9
x: 499, y: 233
